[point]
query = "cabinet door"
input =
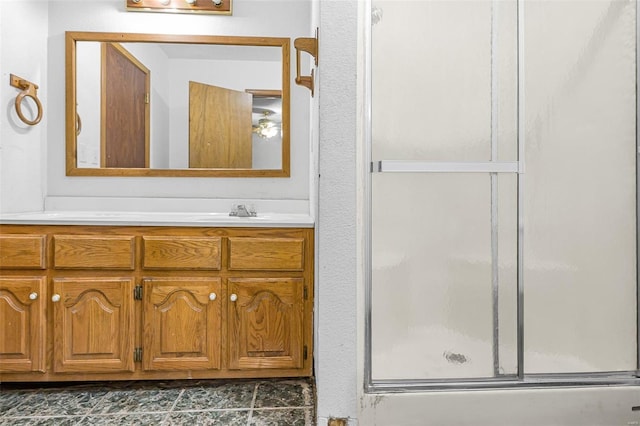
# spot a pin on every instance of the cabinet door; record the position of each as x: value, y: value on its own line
x: 93, y: 325
x: 22, y: 324
x: 181, y: 324
x: 265, y: 323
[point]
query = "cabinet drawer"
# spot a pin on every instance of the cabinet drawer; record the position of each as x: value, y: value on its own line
x: 22, y: 251
x: 90, y: 251
x: 286, y: 254
x: 181, y: 252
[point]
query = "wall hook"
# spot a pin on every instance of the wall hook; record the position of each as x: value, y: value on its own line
x: 309, y: 45
x: 28, y: 89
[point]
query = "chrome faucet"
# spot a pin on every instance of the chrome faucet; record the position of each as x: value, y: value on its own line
x: 241, y: 210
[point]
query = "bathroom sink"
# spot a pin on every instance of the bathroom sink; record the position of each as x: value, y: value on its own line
x: 156, y: 218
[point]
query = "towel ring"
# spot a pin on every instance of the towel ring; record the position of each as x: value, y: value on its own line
x: 29, y: 90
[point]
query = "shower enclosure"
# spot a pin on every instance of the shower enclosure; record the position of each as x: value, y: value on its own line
x: 502, y: 194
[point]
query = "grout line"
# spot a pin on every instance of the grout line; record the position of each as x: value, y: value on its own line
x: 253, y: 403
x: 283, y: 408
x: 173, y: 406
x: 103, y: 397
x: 308, y: 415
x: 117, y: 414
x: 207, y: 410
x: 166, y: 418
x: 306, y: 393
x: 48, y: 416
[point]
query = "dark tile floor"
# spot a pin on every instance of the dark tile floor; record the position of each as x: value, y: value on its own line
x: 194, y: 403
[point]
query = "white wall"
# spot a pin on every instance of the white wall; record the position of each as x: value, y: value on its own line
x: 335, y: 352
x: 88, y: 104
x: 266, y: 153
x: 285, y: 19
x: 23, y: 50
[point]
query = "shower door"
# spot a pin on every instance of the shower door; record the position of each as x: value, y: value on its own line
x: 502, y: 193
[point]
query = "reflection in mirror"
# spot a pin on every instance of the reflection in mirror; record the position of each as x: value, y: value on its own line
x: 177, y: 105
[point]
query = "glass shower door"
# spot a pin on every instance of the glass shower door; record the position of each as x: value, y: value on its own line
x: 503, y: 195
x: 444, y: 190
x: 580, y: 195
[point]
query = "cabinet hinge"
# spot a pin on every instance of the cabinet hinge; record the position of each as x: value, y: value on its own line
x: 137, y: 355
x: 137, y: 292
x: 305, y: 293
x: 146, y: 98
x: 304, y: 352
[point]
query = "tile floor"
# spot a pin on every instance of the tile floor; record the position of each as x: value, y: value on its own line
x: 194, y: 403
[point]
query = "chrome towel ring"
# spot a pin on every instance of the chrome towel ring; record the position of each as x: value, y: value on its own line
x: 28, y: 89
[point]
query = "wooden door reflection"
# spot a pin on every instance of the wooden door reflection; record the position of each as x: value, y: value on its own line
x: 125, y: 95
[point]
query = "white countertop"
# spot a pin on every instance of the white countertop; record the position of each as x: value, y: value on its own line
x: 115, y: 218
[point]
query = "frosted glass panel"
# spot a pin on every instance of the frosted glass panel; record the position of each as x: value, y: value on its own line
x: 444, y: 290
x: 432, y: 286
x: 435, y: 96
x: 580, y: 212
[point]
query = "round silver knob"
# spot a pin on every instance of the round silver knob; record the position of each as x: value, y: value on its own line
x: 217, y: 3
x: 233, y: 297
x: 212, y: 296
x: 55, y: 298
x: 191, y: 2
x: 33, y: 296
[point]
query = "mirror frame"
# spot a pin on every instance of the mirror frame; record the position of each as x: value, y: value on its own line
x: 72, y: 37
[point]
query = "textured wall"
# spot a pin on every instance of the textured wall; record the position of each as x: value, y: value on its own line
x: 23, y: 53
x: 336, y: 320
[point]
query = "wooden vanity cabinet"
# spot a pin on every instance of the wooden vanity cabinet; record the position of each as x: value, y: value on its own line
x: 22, y: 325
x: 124, y: 303
x: 265, y: 323
x: 22, y: 302
x: 181, y: 323
x: 93, y: 325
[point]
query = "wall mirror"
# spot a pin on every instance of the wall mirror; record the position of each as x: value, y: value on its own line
x: 177, y: 105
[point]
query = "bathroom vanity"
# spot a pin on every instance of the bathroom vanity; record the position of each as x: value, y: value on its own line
x: 115, y: 298
x: 128, y: 295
